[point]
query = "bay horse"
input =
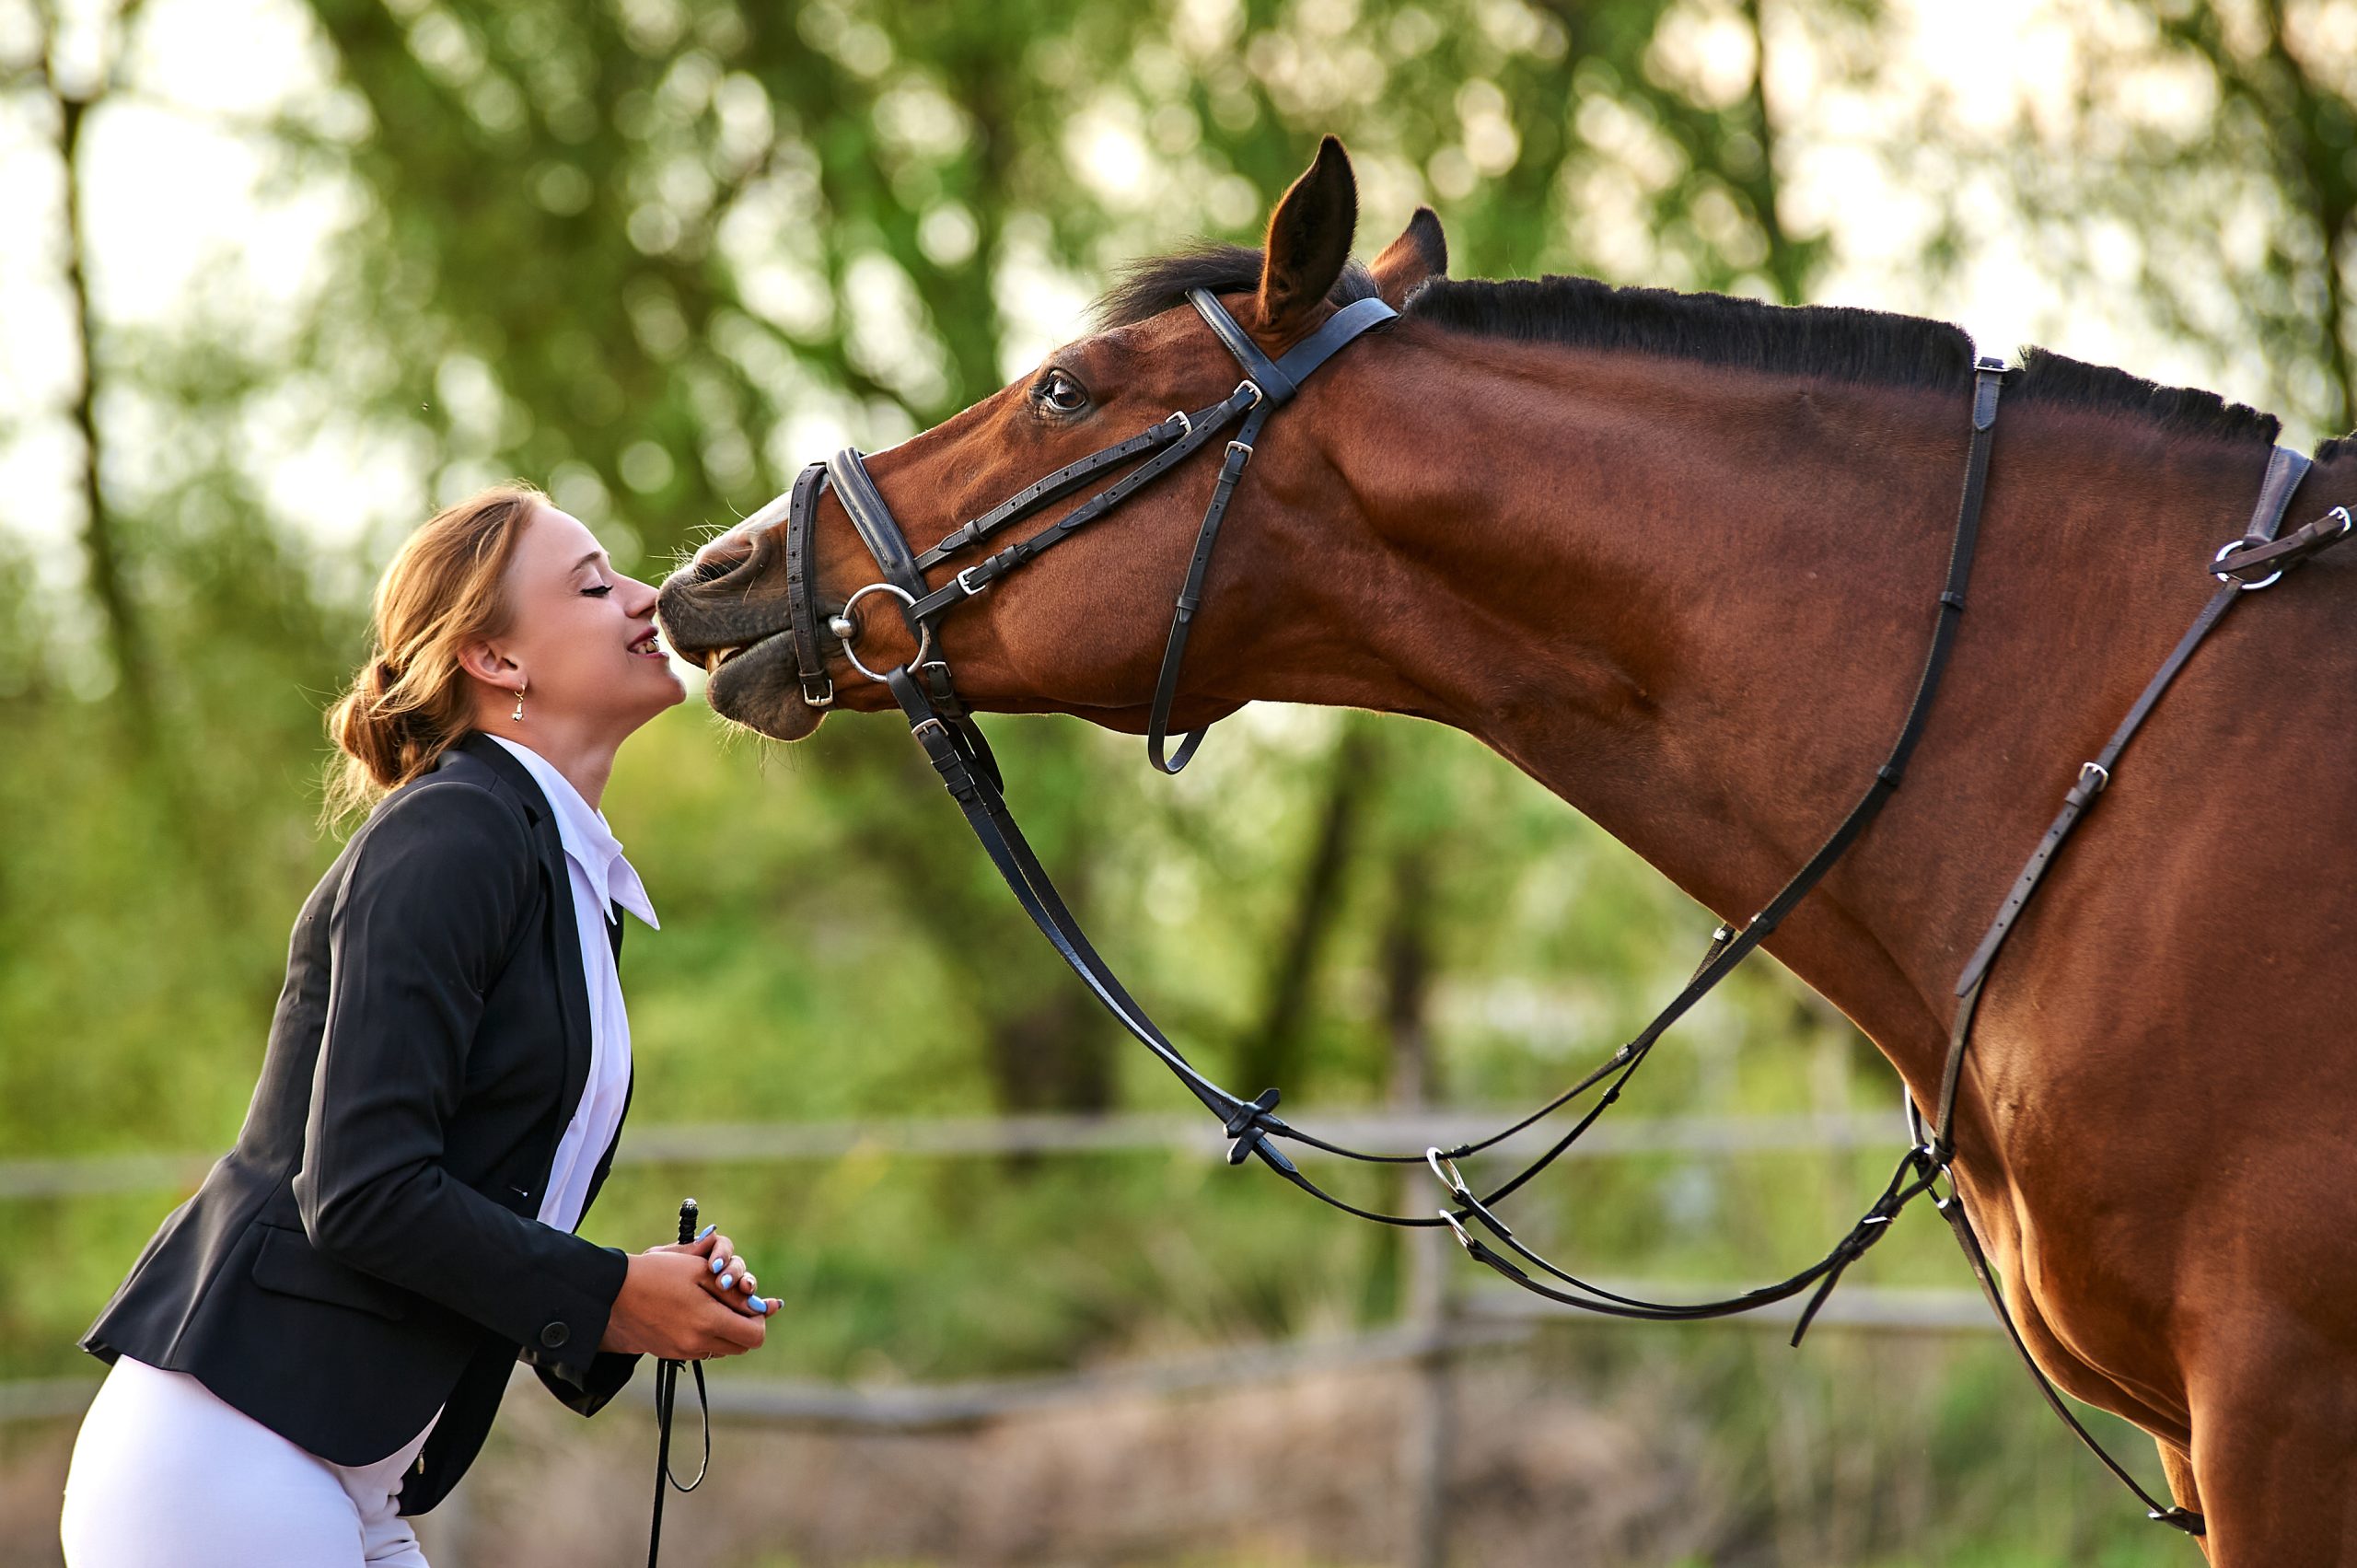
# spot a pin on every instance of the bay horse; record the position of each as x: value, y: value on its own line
x: 1668, y: 554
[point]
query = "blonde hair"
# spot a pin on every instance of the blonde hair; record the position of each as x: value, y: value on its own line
x: 412, y: 701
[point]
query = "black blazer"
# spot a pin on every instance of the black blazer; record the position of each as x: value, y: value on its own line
x: 369, y: 1249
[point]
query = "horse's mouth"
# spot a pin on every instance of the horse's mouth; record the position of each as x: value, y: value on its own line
x: 749, y: 682
x: 715, y: 657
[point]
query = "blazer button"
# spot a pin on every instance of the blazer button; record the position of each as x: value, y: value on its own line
x: 554, y: 1335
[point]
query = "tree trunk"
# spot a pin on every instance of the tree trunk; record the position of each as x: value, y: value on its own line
x: 117, y: 608
x: 1272, y: 1054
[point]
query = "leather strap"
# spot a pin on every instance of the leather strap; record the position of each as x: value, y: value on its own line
x: 2170, y: 1514
x: 2326, y: 532
x: 1280, y: 377
x: 1730, y: 950
x: 1190, y: 596
x: 1053, y: 488
x: 1203, y: 426
x: 873, y: 520
x: 1268, y: 383
x: 2285, y: 468
x: 802, y: 588
x: 1288, y: 373
x: 1273, y: 382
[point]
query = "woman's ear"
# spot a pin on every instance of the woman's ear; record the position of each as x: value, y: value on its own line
x: 1310, y: 239
x: 487, y: 663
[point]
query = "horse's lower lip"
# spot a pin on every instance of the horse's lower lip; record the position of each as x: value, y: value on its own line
x: 715, y: 657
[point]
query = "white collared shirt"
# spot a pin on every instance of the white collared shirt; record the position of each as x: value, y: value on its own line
x: 601, y: 878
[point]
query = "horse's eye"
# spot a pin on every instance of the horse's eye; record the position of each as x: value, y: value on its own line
x: 1063, y: 394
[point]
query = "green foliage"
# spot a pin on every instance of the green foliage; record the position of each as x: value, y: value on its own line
x: 2197, y: 175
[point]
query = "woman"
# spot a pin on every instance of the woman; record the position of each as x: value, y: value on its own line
x: 313, y: 1346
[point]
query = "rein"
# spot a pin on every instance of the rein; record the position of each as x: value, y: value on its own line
x: 942, y: 725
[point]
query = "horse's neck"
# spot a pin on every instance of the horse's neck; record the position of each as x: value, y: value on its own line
x: 1695, y: 604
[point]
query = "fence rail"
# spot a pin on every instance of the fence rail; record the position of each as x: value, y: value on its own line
x: 963, y: 1137
x: 1482, y: 1321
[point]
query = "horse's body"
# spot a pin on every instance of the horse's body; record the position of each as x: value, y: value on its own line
x: 1691, y: 596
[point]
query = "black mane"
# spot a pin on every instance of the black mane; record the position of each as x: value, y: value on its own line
x: 1160, y: 283
x: 1838, y: 342
x: 2178, y: 410
x: 1834, y: 341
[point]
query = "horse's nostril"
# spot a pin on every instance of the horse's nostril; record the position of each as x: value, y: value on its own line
x: 718, y: 555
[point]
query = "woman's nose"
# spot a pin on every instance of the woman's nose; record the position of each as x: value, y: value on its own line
x: 638, y: 598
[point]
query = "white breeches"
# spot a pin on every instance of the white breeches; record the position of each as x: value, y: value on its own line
x: 166, y: 1474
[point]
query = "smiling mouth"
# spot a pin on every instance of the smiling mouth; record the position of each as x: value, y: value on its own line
x: 649, y: 645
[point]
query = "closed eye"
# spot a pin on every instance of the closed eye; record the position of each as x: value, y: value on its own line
x: 602, y: 588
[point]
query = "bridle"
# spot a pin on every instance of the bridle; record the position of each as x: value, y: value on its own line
x: 1268, y: 385
x: 942, y: 725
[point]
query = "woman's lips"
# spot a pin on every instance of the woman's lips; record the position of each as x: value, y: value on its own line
x: 649, y: 645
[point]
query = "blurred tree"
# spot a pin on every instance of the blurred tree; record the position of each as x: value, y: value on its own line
x: 72, y: 89
x: 2201, y: 170
x: 2284, y: 80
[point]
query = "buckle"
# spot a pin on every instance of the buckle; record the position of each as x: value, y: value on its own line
x: 1186, y: 425
x: 2102, y: 777
x: 968, y: 589
x: 826, y: 702
x: 1254, y: 386
x: 1243, y: 447
x: 2224, y: 573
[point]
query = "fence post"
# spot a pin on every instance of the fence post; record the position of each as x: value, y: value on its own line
x: 1427, y: 1433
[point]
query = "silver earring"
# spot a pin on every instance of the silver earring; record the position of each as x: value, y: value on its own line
x: 518, y: 713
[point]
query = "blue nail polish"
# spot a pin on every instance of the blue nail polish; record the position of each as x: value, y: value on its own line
x: 718, y: 1264
x: 706, y: 1231
x: 725, y: 1281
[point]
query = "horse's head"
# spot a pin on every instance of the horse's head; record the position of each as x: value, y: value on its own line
x: 1081, y: 628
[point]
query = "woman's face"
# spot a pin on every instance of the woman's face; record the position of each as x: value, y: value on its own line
x: 581, y: 636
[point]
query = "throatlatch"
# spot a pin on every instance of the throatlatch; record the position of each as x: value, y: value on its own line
x: 954, y: 743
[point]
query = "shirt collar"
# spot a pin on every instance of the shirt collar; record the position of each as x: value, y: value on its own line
x: 588, y: 842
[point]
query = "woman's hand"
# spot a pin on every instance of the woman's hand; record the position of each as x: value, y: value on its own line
x: 672, y: 1306
x: 730, y: 1278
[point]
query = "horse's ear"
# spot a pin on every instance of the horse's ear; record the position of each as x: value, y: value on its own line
x: 1419, y: 253
x: 1310, y: 239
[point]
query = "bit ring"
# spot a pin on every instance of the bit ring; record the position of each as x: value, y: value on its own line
x: 925, y: 633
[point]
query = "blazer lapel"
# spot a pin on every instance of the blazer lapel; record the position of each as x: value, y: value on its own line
x: 572, y: 984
